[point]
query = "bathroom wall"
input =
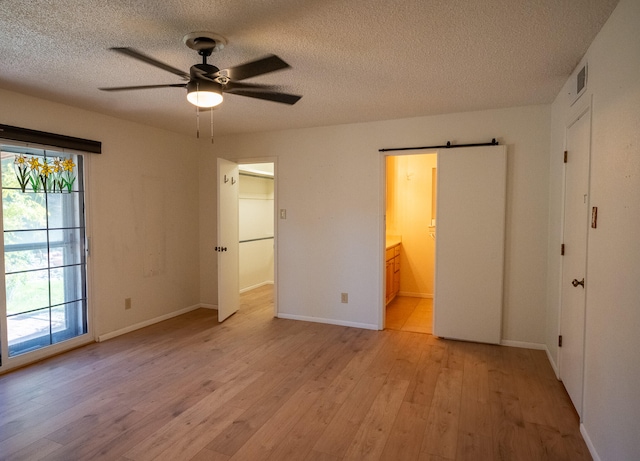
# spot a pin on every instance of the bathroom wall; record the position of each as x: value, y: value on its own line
x: 409, y: 214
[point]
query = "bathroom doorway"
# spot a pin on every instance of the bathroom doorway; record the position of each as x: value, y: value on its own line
x: 410, y: 227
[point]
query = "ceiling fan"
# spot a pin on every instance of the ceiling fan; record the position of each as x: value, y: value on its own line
x: 205, y: 83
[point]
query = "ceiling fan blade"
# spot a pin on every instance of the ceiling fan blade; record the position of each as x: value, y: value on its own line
x: 144, y: 87
x: 135, y: 54
x: 231, y: 86
x: 255, y: 68
x: 283, y: 98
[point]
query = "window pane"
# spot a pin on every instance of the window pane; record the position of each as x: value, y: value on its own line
x: 67, y: 284
x: 28, y: 331
x: 64, y: 210
x: 44, y: 236
x: 9, y: 178
x: 68, y: 321
x: 23, y: 210
x: 25, y: 250
x: 27, y: 291
x: 66, y: 247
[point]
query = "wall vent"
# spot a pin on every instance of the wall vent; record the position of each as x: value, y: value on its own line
x: 578, y: 83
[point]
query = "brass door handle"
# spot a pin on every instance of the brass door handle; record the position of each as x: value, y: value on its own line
x: 575, y: 282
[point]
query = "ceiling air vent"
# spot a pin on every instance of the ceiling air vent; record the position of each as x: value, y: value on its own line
x: 578, y: 83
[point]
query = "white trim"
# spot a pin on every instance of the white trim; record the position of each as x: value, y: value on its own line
x: 523, y: 344
x: 587, y: 440
x: 556, y: 370
x: 208, y: 306
x: 416, y: 295
x: 257, y: 285
x: 21, y: 360
x: 344, y: 323
x: 146, y: 323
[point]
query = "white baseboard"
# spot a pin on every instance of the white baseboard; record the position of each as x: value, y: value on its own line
x: 146, y: 323
x: 587, y: 440
x: 416, y: 295
x: 258, y: 285
x: 344, y: 323
x: 523, y: 344
x: 553, y: 363
x: 208, y: 306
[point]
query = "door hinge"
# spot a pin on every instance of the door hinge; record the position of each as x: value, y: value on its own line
x: 565, y: 156
x: 560, y: 341
x: 562, y: 250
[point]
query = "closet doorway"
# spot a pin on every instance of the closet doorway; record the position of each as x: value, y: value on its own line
x: 410, y: 228
x: 256, y: 216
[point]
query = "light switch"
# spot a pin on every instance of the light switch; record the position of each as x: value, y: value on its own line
x: 283, y: 213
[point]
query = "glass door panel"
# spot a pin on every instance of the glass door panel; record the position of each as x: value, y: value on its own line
x: 44, y: 248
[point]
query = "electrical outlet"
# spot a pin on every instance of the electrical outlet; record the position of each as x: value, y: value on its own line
x: 344, y: 298
x: 127, y: 303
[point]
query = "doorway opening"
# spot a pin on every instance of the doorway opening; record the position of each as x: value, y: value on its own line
x: 256, y: 216
x: 410, y: 227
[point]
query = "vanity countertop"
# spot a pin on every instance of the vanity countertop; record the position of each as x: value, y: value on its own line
x: 393, y: 240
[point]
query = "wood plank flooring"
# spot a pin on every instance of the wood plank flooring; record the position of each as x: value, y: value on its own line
x: 259, y: 388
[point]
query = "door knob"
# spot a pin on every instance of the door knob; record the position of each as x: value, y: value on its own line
x: 575, y: 282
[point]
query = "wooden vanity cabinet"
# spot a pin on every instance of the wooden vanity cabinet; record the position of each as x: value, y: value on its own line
x: 392, y: 279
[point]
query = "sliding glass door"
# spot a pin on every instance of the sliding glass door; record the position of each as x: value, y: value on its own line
x: 43, y: 222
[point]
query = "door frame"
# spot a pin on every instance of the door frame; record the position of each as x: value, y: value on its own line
x: 382, y: 311
x: 91, y: 336
x: 274, y: 160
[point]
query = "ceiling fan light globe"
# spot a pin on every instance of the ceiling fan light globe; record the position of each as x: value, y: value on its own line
x: 204, y: 93
x: 204, y: 98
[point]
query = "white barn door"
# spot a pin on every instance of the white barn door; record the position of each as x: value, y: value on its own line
x: 470, y: 232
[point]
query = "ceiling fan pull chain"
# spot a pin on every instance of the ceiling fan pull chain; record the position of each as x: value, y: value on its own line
x: 197, y: 122
x: 211, y: 110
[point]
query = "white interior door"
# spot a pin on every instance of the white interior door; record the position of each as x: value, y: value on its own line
x: 576, y: 222
x: 228, y: 240
x: 470, y: 231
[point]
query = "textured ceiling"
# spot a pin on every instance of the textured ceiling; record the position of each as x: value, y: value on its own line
x: 352, y: 60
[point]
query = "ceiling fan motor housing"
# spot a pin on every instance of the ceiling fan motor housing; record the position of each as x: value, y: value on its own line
x: 204, y: 71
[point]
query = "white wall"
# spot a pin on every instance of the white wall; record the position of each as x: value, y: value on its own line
x: 612, y: 368
x: 330, y: 182
x: 143, y: 210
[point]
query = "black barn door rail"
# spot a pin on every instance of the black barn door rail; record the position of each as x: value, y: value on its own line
x: 446, y: 146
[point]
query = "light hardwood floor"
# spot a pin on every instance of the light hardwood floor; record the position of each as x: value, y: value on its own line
x: 258, y: 388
